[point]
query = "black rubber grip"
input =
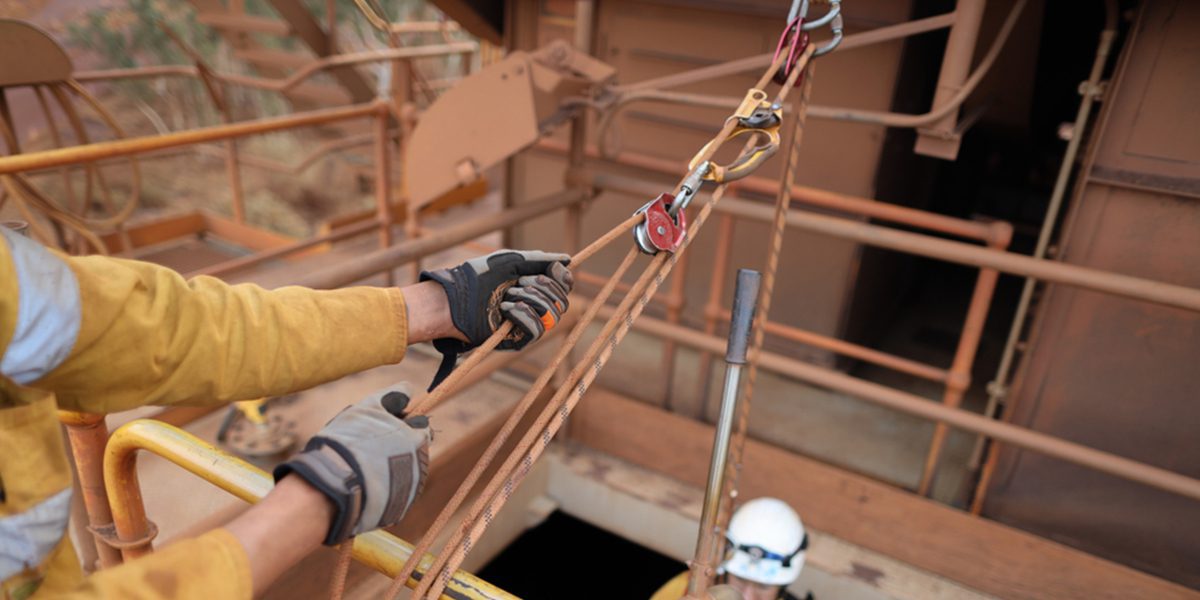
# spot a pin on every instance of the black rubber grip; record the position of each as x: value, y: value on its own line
x: 745, y: 304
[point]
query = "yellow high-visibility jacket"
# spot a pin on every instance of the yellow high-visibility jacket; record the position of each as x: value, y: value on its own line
x: 99, y: 335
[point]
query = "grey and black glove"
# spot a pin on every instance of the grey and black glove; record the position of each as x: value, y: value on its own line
x: 370, y: 461
x: 529, y: 288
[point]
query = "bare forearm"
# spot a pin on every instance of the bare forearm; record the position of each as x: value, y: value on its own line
x: 428, y: 313
x: 285, y: 527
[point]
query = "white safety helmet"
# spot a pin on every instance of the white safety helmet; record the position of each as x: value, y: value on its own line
x: 765, y: 543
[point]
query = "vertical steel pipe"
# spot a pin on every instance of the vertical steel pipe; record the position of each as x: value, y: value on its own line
x: 745, y: 301
x: 383, y: 181
x: 712, y: 309
x: 576, y: 156
x: 88, y: 434
x: 956, y: 66
x: 958, y: 379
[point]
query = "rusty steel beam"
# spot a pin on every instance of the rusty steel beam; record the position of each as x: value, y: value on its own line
x: 136, y: 73
x: 132, y: 146
x: 389, y: 258
x: 927, y: 409
x: 850, y: 349
x: 341, y: 60
x: 1126, y: 286
x: 939, y: 137
x: 760, y: 61
x: 812, y: 196
x: 88, y: 435
x: 244, y: 262
x: 651, y: 89
x: 291, y: 81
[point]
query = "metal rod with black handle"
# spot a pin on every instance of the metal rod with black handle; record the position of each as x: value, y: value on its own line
x: 745, y: 303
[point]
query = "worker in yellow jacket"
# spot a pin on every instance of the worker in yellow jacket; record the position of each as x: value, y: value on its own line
x: 100, y: 335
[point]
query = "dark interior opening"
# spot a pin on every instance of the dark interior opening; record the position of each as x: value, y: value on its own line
x: 1005, y: 170
x: 565, y: 557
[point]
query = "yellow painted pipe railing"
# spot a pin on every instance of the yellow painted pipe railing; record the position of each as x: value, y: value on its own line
x: 379, y: 550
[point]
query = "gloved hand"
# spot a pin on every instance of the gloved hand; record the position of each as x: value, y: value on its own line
x: 528, y: 288
x: 369, y: 460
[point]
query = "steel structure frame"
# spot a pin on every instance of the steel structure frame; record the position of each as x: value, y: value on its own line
x: 87, y: 433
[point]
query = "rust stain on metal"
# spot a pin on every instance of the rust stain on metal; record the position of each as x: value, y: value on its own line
x: 869, y: 575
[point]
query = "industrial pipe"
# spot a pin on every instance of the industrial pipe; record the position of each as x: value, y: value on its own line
x: 650, y: 89
x: 741, y: 65
x: 389, y: 258
x: 812, y: 196
x: 852, y: 350
x: 927, y: 409
x: 88, y: 434
x: 379, y: 550
x: 1136, y: 288
x: 745, y: 301
x: 125, y: 147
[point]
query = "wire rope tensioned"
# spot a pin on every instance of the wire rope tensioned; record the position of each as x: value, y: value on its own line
x: 518, y: 412
x: 774, y: 250
x: 521, y: 460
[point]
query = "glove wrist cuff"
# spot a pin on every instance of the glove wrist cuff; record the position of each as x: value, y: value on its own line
x: 326, y: 470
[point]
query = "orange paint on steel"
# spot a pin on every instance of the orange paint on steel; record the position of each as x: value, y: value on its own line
x: 1137, y: 288
x: 709, y: 545
x: 883, y: 359
x: 379, y: 550
x: 423, y: 405
x: 741, y: 65
x: 383, y: 181
x: 136, y: 73
x: 912, y: 404
x: 814, y: 196
x: 506, y: 430
x: 959, y: 378
x: 250, y: 260
x: 341, y: 60
x: 409, y: 250
x: 716, y: 289
x: 131, y: 146
x: 88, y: 435
x: 585, y: 371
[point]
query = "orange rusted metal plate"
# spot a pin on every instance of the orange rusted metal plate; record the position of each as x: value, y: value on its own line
x: 1117, y: 374
x: 494, y: 114
x: 29, y: 55
x: 479, y: 122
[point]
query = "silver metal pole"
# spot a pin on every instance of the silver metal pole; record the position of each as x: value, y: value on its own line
x: 745, y: 301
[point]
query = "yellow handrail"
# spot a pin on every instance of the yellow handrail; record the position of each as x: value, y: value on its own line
x: 379, y: 550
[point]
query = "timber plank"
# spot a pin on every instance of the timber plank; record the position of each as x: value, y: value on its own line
x: 976, y: 552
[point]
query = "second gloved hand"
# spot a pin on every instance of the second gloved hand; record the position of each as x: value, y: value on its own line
x: 528, y: 288
x: 370, y: 461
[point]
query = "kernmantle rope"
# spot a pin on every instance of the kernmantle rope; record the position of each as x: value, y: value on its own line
x: 537, y: 438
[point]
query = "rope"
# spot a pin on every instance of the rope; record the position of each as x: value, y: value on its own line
x: 510, y: 425
x: 519, y: 462
x: 538, y: 437
x: 337, y: 584
x: 425, y: 404
x: 733, y: 468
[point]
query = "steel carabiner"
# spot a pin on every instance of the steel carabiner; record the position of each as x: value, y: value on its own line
x: 756, y: 116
